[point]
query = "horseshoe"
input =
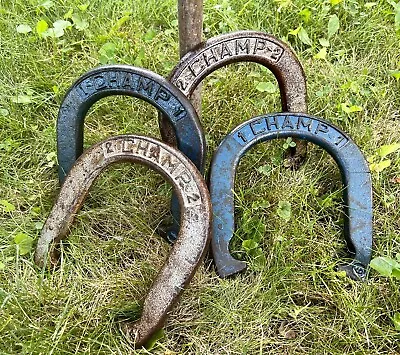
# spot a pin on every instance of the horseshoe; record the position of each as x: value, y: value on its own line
x: 354, y: 169
x: 242, y: 46
x: 194, y: 234
x: 127, y: 80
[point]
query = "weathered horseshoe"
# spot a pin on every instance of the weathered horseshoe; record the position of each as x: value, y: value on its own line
x: 241, y: 46
x: 127, y: 80
x: 194, y: 233
x: 354, y: 169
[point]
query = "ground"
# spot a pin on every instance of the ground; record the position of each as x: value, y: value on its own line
x: 291, y: 299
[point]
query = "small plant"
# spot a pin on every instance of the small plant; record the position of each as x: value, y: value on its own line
x: 388, y: 267
x: 378, y: 162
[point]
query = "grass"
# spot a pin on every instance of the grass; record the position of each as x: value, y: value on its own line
x: 296, y: 303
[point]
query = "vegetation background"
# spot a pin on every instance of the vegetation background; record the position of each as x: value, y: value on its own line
x: 290, y: 300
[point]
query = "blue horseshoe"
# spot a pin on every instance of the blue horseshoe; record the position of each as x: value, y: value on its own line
x: 132, y: 81
x: 354, y: 169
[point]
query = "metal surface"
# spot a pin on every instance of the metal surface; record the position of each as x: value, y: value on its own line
x: 242, y: 46
x: 353, y: 167
x: 190, y: 20
x: 194, y: 233
x: 131, y: 81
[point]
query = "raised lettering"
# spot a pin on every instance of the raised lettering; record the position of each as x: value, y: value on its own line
x: 155, y: 153
x: 242, y: 47
x: 99, y: 82
x: 142, y: 146
x: 162, y: 94
x: 257, y: 45
x: 126, y: 81
x: 225, y: 51
x: 193, y: 198
x: 191, y: 67
x: 127, y: 147
x: 180, y: 84
x: 168, y: 164
x: 86, y: 87
x: 321, y: 128
x: 301, y: 122
x: 242, y: 137
x: 113, y: 79
x: 208, y: 58
x: 254, y: 129
x: 183, y: 178
x: 179, y: 111
x: 274, y: 123
x: 340, y: 139
x: 147, y: 87
x: 109, y: 148
x: 287, y: 123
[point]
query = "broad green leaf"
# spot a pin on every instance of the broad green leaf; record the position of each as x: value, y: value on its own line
x: 39, y: 225
x: 284, y: 210
x: 268, y: 87
x: 69, y: 13
x: 2, y: 266
x: 333, y: 25
x: 395, y: 74
x: 249, y: 244
x: 260, y: 204
x: 83, y: 7
x: 41, y: 27
x: 396, y: 320
x: 79, y: 23
x: 368, y: 5
x: 60, y: 26
x: 303, y: 36
x: 46, y: 4
x: 382, y: 165
x: 265, y: 169
x: 321, y: 54
x: 149, y: 35
x: 107, y: 53
x: 24, y: 29
x: 398, y: 257
x: 385, y: 150
x: 24, y: 243
x: 396, y: 273
x: 335, y: 2
x: 350, y: 109
x: 4, y: 112
x: 305, y: 15
x: 296, y: 31
x: 324, y: 42
x: 7, y: 206
x: 384, y: 265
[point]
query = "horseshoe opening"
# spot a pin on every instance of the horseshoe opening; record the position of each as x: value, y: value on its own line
x: 194, y: 233
x: 353, y: 167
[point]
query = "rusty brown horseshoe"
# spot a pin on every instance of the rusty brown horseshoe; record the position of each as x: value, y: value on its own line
x: 194, y: 233
x: 242, y: 46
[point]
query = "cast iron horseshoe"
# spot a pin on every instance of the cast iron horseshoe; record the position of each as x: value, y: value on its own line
x: 194, y: 233
x: 353, y: 167
x: 127, y: 80
x: 241, y: 46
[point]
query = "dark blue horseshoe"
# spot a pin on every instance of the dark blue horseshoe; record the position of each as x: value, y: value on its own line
x: 127, y: 80
x: 354, y: 169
